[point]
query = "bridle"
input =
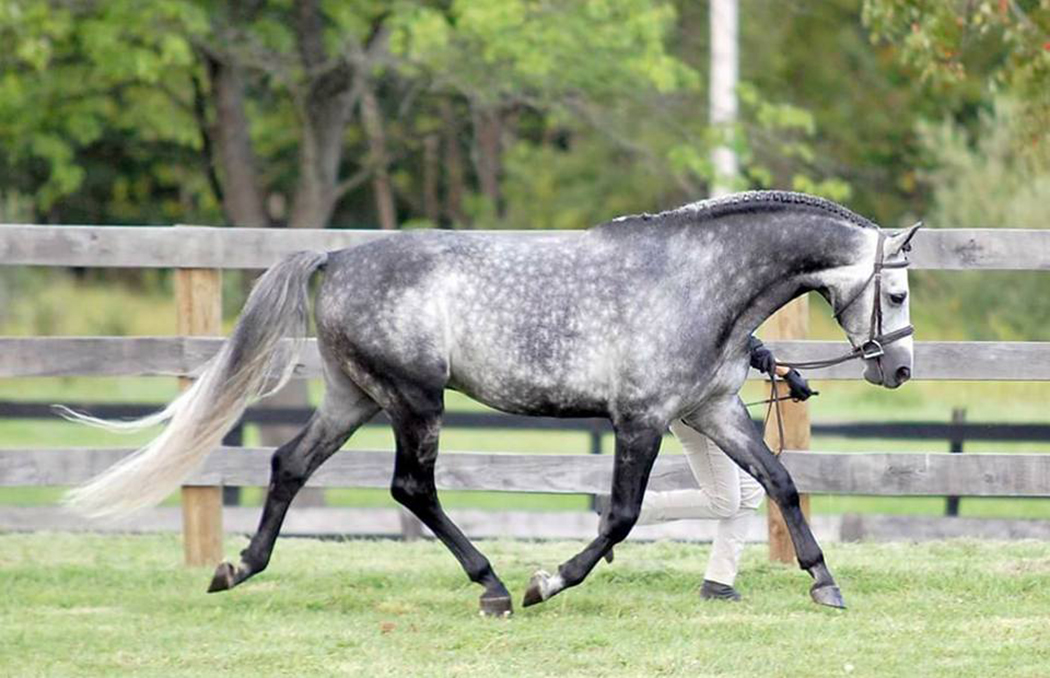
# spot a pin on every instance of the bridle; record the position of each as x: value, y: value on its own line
x: 874, y: 347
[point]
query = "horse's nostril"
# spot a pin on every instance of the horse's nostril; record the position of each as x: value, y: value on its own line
x: 903, y: 374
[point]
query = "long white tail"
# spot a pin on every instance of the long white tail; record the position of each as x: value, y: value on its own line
x: 199, y: 418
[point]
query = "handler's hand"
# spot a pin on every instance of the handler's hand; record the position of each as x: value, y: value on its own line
x: 762, y: 359
x: 800, y: 389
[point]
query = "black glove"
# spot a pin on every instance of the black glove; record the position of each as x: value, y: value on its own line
x: 800, y: 389
x: 761, y: 357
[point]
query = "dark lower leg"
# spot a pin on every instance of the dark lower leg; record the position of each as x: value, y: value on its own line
x: 290, y: 467
x: 636, y: 450
x: 739, y: 440
x: 414, y: 487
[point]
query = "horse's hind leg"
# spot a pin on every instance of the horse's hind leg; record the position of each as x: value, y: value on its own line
x: 637, y: 444
x: 345, y: 408
x: 416, y: 431
x: 729, y: 426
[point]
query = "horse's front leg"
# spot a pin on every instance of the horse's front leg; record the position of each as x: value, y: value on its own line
x: 728, y: 424
x: 637, y: 444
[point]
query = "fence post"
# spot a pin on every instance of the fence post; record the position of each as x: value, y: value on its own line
x: 790, y: 322
x: 198, y: 303
x: 956, y: 447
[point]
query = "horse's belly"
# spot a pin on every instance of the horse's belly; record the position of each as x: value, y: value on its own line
x: 521, y: 387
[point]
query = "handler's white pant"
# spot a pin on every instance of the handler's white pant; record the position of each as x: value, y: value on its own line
x: 726, y: 493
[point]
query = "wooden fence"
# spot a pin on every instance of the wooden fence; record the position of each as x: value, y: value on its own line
x: 199, y: 254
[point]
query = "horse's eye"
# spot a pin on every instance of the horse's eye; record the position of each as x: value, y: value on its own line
x: 898, y: 298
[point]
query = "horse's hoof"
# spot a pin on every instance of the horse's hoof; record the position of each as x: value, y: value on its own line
x: 497, y: 606
x: 829, y: 595
x: 539, y: 589
x: 609, y: 556
x: 223, y: 579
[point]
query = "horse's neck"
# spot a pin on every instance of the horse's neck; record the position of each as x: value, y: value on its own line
x: 783, y: 259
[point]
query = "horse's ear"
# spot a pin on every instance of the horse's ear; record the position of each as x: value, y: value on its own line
x: 901, y: 240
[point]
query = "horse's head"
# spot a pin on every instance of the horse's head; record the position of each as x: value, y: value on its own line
x: 871, y: 305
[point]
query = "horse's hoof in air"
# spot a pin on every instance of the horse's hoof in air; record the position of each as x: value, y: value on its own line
x: 538, y: 591
x: 223, y: 579
x: 609, y: 556
x: 829, y: 595
x: 496, y: 606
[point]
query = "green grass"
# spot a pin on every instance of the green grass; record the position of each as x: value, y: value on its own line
x: 103, y: 606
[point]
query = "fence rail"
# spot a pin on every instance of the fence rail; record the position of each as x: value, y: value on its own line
x: 252, y: 248
x: 955, y: 432
x: 183, y: 356
x: 869, y: 473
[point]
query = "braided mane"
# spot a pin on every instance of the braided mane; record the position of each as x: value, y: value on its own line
x: 754, y: 201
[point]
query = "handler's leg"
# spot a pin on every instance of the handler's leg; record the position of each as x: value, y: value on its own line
x: 728, y: 424
x: 717, y: 477
x: 729, y: 542
x: 724, y: 492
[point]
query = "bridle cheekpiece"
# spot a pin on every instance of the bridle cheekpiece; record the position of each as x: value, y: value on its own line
x: 874, y: 347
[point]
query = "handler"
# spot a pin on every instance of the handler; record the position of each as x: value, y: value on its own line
x: 725, y: 493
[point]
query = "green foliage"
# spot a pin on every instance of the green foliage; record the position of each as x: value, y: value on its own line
x: 984, y: 46
x: 79, y: 72
x: 991, y: 177
x: 539, y: 52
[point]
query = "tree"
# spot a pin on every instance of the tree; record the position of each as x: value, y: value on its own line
x: 970, y: 50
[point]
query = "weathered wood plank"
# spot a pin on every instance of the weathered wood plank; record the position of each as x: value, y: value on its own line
x: 120, y: 356
x: 198, y: 308
x: 1003, y: 249
x: 310, y: 521
x: 1017, y: 475
x: 166, y: 247
x: 183, y: 356
x: 789, y: 425
x: 231, y: 248
x: 858, y: 527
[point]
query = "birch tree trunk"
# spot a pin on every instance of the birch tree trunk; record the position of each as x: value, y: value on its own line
x: 725, y: 73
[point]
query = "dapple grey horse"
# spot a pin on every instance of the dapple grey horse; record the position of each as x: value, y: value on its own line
x: 643, y: 320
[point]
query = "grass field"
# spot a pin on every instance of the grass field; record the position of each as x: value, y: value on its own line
x: 104, y: 606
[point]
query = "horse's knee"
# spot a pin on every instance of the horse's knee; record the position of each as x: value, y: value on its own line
x: 410, y: 492
x: 618, y: 521
x: 782, y: 489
